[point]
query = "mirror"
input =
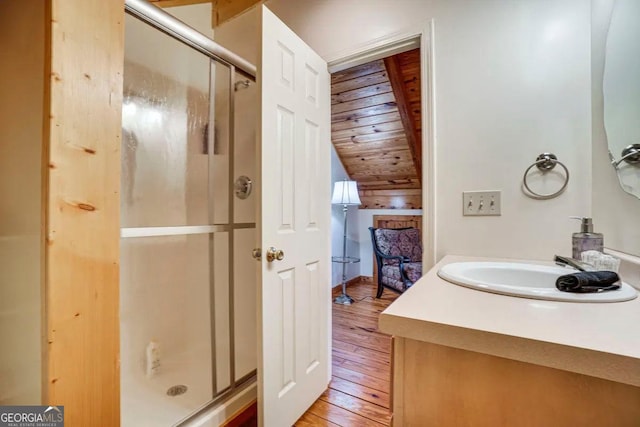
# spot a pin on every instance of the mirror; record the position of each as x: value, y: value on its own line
x: 621, y: 89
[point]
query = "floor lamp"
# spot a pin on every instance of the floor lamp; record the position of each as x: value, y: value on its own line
x: 345, y: 193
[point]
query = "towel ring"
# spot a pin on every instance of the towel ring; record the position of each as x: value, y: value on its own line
x: 545, y: 162
x: 630, y: 154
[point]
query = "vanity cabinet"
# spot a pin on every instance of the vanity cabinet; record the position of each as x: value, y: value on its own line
x: 462, y: 357
x: 436, y: 385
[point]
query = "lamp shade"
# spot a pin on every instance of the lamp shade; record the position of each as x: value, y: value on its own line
x: 345, y: 193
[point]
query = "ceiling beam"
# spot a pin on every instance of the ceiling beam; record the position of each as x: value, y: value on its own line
x: 394, y: 72
x: 224, y: 10
x: 391, y: 199
x: 172, y: 3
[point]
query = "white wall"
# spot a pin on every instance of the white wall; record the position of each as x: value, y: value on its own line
x: 615, y: 212
x: 197, y: 16
x: 512, y: 81
x: 184, y: 66
x: 338, y: 173
x: 365, y: 220
x: 21, y: 115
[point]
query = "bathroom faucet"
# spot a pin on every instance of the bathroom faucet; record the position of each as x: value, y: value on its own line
x: 578, y: 265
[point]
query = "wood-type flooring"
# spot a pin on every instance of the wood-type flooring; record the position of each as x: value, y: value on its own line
x: 358, y: 394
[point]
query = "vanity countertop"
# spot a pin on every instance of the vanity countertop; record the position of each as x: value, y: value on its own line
x: 597, y: 339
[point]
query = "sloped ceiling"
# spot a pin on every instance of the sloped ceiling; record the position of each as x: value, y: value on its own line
x: 376, y: 128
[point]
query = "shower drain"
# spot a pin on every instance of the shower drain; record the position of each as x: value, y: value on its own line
x: 177, y: 390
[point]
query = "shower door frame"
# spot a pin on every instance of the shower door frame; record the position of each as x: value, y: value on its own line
x: 171, y: 26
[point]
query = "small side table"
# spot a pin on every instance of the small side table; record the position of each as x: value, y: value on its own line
x: 344, y: 298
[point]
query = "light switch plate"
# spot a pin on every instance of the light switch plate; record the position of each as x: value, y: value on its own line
x: 481, y: 203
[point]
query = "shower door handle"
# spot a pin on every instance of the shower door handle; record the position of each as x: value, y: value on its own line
x: 274, y: 254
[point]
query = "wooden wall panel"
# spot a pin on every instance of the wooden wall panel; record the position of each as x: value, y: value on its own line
x: 83, y: 114
x: 389, y: 184
x: 223, y: 10
x: 391, y: 199
x: 397, y: 221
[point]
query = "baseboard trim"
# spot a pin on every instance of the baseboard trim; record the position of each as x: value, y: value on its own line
x: 338, y: 288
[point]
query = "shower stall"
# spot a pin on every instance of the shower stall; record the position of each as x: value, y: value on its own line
x: 188, y: 282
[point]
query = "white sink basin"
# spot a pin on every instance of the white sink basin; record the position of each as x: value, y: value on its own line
x: 524, y: 280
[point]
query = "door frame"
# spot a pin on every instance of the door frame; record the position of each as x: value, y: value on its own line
x: 410, y: 38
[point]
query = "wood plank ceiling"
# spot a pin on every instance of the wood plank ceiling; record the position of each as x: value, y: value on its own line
x: 376, y: 129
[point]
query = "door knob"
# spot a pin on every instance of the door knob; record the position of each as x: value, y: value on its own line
x: 257, y: 254
x: 274, y: 254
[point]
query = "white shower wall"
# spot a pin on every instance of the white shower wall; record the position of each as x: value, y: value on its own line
x: 245, y: 267
x: 241, y: 36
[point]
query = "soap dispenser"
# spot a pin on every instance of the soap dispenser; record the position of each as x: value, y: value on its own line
x: 586, y: 239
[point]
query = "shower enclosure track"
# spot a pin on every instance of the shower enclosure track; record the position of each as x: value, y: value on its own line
x: 182, y: 229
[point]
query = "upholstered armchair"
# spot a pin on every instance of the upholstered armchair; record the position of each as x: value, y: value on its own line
x: 398, y: 253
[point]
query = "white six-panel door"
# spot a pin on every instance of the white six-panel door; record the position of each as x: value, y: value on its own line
x: 294, y: 296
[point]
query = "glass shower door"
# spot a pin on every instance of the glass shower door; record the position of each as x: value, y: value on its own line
x: 175, y: 327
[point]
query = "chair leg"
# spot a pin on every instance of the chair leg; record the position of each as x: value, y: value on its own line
x: 380, y: 290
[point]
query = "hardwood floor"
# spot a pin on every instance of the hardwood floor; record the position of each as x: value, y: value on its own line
x: 358, y: 394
